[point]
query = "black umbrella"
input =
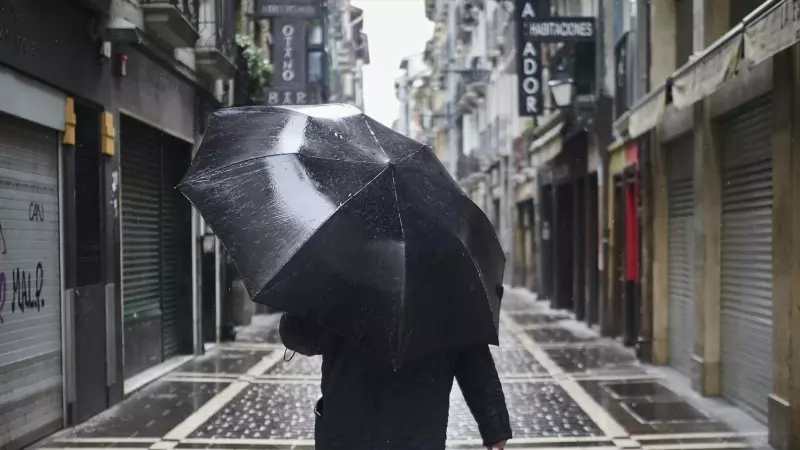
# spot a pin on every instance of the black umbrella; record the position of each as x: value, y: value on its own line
x: 336, y: 218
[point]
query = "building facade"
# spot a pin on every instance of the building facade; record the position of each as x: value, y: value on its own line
x: 101, y: 108
x: 412, y: 89
x: 714, y: 130
x: 349, y: 53
x: 659, y: 205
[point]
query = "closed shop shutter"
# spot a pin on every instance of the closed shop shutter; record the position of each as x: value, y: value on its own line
x: 176, y: 249
x: 31, y: 382
x: 746, y: 257
x: 141, y: 242
x: 156, y: 246
x: 680, y: 283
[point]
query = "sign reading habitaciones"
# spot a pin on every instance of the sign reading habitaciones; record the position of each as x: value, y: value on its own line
x: 306, y: 9
x: 558, y: 29
x: 289, y: 80
x: 529, y: 57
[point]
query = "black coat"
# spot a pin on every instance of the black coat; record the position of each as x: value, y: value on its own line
x: 367, y: 405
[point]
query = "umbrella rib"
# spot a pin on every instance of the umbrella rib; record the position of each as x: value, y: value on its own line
x: 411, y: 154
x: 360, y: 190
x: 247, y: 161
x: 369, y: 127
x: 471, y: 258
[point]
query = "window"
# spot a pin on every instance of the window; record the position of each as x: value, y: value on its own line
x: 684, y: 31
x: 315, y: 34
x: 739, y: 9
x: 316, y: 66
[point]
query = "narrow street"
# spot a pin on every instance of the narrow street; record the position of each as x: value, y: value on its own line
x: 566, y: 388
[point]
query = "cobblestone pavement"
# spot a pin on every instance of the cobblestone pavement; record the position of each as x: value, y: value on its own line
x: 566, y: 388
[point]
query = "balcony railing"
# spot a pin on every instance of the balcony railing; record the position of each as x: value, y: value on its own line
x: 216, y: 46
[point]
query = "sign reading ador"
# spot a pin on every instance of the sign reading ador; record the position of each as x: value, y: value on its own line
x: 529, y: 59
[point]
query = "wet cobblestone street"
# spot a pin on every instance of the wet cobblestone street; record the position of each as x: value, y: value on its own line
x: 566, y: 388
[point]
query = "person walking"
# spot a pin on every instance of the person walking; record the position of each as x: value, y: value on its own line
x: 368, y: 405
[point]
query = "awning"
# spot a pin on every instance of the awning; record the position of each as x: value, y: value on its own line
x: 703, y: 76
x: 547, y: 146
x: 771, y: 32
x: 647, y: 112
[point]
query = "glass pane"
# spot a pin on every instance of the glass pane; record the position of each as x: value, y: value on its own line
x: 315, y: 66
x: 315, y: 34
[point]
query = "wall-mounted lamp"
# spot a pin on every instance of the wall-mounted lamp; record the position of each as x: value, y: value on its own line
x: 208, y: 240
x: 563, y: 91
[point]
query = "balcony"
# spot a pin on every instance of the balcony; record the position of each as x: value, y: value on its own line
x: 477, y: 80
x: 467, y: 21
x: 346, y: 55
x: 216, y: 48
x: 467, y: 165
x: 467, y: 99
x: 174, y: 22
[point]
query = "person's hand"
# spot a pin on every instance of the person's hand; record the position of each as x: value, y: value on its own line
x: 499, y: 446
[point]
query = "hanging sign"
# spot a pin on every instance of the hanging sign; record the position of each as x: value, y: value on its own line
x: 286, y: 8
x: 289, y: 80
x: 773, y: 32
x: 529, y: 58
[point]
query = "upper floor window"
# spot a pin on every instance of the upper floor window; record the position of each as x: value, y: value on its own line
x: 315, y: 33
x: 739, y: 9
x: 684, y: 31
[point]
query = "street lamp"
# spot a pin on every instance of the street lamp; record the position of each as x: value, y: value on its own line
x: 563, y: 91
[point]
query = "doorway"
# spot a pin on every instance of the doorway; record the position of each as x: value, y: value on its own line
x: 91, y: 381
x: 563, y: 247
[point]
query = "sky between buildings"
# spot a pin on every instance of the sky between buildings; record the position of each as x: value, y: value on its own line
x: 396, y: 28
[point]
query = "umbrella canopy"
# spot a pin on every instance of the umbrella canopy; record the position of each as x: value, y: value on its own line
x: 332, y: 216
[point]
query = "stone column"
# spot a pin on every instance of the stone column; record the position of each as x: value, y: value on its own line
x: 660, y: 245
x: 707, y: 222
x: 785, y: 250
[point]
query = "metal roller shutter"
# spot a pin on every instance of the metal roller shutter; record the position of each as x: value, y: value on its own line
x: 746, y: 257
x: 141, y: 221
x: 176, y: 256
x: 31, y: 380
x: 680, y: 282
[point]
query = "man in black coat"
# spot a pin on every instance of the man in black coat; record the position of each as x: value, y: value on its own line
x: 368, y: 405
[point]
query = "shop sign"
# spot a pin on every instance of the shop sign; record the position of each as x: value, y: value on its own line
x: 560, y: 29
x: 707, y: 74
x: 286, y: 8
x: 529, y: 58
x: 646, y: 114
x: 276, y: 97
x: 773, y: 32
x: 289, y: 81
